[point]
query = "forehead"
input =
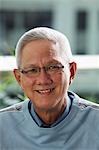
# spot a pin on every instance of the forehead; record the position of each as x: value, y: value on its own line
x: 40, y: 51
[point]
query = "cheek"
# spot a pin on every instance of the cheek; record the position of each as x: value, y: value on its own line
x: 26, y: 83
x: 66, y: 80
x: 61, y: 78
x: 62, y: 82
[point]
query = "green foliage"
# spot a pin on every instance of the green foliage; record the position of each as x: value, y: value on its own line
x: 90, y: 97
x: 6, y: 78
x: 10, y: 91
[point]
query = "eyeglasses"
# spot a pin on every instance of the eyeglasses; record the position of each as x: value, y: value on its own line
x: 49, y: 69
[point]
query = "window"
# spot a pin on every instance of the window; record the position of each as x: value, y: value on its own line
x: 14, y: 23
x: 7, y: 18
x: 34, y: 19
x: 81, y: 21
x: 81, y: 32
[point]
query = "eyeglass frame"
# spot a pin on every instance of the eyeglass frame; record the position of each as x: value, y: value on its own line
x: 59, y: 68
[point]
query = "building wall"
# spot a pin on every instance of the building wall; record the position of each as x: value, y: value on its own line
x: 79, y: 20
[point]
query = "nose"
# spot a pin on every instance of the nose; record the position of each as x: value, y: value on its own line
x: 44, y: 78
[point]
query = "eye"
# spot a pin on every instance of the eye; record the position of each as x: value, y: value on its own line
x: 32, y: 71
x: 53, y: 67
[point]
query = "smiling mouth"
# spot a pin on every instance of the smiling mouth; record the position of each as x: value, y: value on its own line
x: 45, y: 91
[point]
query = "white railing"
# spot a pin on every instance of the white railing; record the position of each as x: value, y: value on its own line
x: 87, y: 61
x: 8, y: 63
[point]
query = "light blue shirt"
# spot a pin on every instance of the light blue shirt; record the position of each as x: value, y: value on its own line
x: 79, y: 130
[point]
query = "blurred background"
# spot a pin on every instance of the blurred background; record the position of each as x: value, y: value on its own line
x: 77, y: 19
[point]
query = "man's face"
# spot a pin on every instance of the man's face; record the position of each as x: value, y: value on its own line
x: 46, y: 91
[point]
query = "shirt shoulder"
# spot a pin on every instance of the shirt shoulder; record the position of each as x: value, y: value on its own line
x: 13, y: 115
x: 19, y: 107
x: 85, y: 103
x: 82, y: 103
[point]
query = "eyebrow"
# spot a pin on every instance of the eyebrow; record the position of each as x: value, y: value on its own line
x: 35, y: 65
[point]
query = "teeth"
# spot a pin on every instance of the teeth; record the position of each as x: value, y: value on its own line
x: 45, y: 91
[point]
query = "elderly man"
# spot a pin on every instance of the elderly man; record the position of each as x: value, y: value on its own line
x: 52, y: 118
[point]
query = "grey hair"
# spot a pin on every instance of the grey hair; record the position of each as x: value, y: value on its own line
x: 44, y: 33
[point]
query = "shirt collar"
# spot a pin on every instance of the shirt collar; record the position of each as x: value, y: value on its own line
x: 40, y: 123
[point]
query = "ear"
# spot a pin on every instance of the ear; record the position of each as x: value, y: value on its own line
x: 73, y: 68
x: 17, y: 75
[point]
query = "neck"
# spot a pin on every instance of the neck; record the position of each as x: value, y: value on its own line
x: 51, y: 116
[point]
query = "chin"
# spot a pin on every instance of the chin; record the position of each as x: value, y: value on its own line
x: 45, y: 107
